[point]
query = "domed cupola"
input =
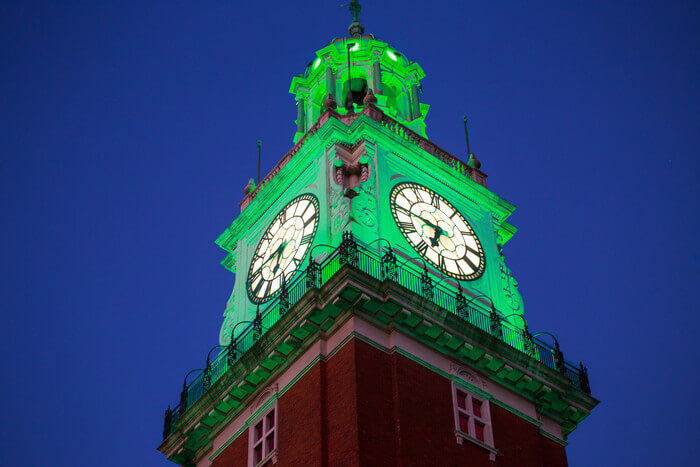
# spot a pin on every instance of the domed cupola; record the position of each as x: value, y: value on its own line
x: 347, y: 69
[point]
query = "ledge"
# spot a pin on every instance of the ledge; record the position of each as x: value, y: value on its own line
x: 461, y: 436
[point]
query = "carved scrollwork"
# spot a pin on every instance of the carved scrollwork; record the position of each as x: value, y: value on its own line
x: 264, y: 396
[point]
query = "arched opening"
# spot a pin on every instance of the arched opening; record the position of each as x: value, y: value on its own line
x: 359, y: 89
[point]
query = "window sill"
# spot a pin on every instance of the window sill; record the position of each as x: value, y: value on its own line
x: 461, y: 436
x: 270, y: 459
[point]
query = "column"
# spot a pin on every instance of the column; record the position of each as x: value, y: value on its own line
x: 301, y: 124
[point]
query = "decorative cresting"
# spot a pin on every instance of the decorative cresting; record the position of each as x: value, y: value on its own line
x: 312, y: 273
x: 284, y: 298
x: 348, y: 249
x: 389, y: 265
x: 379, y: 266
x: 462, y: 306
x: 426, y: 285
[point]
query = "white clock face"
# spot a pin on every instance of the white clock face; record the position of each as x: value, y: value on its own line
x: 282, y: 248
x: 437, y: 231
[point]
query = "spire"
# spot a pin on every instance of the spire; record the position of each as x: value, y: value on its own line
x: 356, y: 28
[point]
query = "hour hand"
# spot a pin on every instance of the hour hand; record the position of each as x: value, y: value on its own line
x: 427, y: 222
x: 434, y: 240
x: 277, y: 253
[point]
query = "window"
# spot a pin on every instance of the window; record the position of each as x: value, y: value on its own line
x: 263, y: 438
x: 473, y: 420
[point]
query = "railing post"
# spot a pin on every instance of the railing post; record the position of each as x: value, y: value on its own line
x: 312, y: 274
x: 559, y: 357
x: 427, y: 287
x: 231, y: 354
x: 462, y: 307
x: 257, y: 325
x: 183, y: 397
x: 284, y: 299
x: 206, y: 378
x: 167, y: 424
x: 348, y: 249
x: 529, y: 342
x: 583, y: 378
x: 388, y: 264
x: 496, y: 327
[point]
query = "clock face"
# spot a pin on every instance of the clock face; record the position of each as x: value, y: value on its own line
x: 437, y: 231
x: 282, y: 248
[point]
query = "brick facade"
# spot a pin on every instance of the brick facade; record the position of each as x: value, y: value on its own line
x: 364, y: 406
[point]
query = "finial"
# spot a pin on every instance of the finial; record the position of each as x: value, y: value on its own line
x: 330, y: 103
x: 355, y: 29
x: 259, y: 148
x: 473, y: 161
x: 249, y: 187
x: 370, y: 98
x: 466, y: 134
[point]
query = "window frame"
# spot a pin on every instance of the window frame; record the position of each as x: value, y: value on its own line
x: 267, y: 454
x: 485, y: 419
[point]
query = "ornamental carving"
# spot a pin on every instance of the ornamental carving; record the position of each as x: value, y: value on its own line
x: 264, y: 396
x: 352, y: 199
x: 510, y: 286
x: 229, y: 320
x: 468, y: 375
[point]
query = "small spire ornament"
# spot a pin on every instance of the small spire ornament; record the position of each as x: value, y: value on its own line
x: 356, y: 28
x: 330, y: 103
x: 370, y: 98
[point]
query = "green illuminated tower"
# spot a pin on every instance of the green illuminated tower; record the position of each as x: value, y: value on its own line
x: 368, y: 233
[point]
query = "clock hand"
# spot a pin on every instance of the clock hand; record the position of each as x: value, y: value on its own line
x: 434, y: 240
x: 438, y: 230
x: 279, y: 251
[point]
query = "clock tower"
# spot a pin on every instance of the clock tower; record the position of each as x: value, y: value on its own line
x: 373, y: 320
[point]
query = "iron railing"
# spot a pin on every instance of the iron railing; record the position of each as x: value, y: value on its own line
x: 381, y: 266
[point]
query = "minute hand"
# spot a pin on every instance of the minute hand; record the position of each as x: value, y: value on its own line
x: 439, y: 230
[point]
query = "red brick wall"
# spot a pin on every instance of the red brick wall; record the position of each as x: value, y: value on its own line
x: 300, y: 429
x: 235, y: 455
x: 366, y: 407
x: 375, y: 406
x: 342, y: 448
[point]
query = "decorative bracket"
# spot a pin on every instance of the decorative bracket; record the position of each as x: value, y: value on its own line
x: 351, y: 167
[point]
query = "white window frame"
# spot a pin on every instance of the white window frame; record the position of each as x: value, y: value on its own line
x: 266, y: 431
x: 485, y: 419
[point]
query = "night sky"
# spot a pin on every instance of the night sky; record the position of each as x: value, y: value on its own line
x: 128, y: 131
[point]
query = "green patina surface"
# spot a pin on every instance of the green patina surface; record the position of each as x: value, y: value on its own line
x: 391, y: 159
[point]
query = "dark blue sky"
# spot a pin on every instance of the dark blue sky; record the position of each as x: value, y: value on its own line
x: 128, y: 131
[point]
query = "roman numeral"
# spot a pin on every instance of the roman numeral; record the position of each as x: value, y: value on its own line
x: 308, y: 205
x: 268, y: 236
x: 408, y: 227
x: 422, y: 248
x: 435, y: 199
x: 307, y: 238
x: 469, y: 262
x: 403, y: 209
x: 258, y: 287
x: 441, y: 262
x: 476, y: 252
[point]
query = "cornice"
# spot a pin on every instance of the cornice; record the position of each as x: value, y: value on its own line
x: 387, y: 306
